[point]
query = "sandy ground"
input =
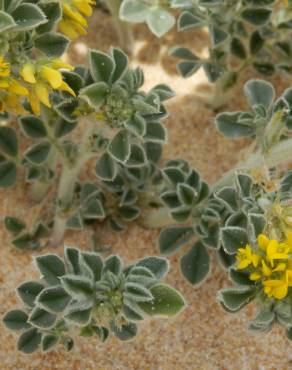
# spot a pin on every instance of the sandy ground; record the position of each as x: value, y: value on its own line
x: 203, y: 337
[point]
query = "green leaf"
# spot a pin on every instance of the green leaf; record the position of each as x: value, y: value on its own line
x: 94, y: 210
x: 113, y: 264
x: 49, y: 342
x: 119, y: 147
x: 256, y: 42
x: 95, y: 94
x: 29, y: 341
x: 195, y: 264
x: 33, y: 127
x: 233, y: 238
x: 78, y: 287
x: 52, y: 44
x: 125, y: 332
x: 106, y: 167
x: 38, y: 153
x: 51, y: 267
x: 259, y: 92
x: 237, y: 48
x: 133, y: 11
x: 28, y: 292
x: 6, y: 21
x: 137, y: 292
x: 94, y: 262
x: 14, y: 225
x: 167, y: 302
x: 240, y: 277
x: 171, y: 239
x: 8, y: 141
x: 79, y: 315
x: 256, y: 16
x: 41, y: 318
x: 236, y: 298
x: 8, y: 173
x: 53, y: 13
x: 15, y: 319
x: 157, y: 265
x: 53, y: 299
x: 121, y: 64
x: 231, y: 125
x: 101, y: 66
x: 28, y: 16
x: 72, y: 260
x: 160, y: 21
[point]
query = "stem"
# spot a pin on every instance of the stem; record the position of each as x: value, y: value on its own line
x: 157, y: 218
x: 40, y: 187
x: 123, y: 29
x: 67, y: 184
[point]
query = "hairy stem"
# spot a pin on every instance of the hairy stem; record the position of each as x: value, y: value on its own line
x: 67, y: 184
x: 123, y: 29
x: 157, y: 218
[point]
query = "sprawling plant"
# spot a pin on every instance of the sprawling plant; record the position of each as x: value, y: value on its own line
x: 120, y: 137
x: 253, y: 34
x: 262, y: 247
x: 87, y: 296
x: 235, y: 210
x: 243, y: 34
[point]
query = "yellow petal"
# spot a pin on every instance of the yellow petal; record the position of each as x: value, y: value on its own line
x: 243, y: 264
x: 255, y: 276
x: 43, y: 94
x: 66, y: 87
x: 280, y: 256
x: 281, y: 267
x: 4, y: 84
x: 34, y: 103
x: 265, y: 269
x: 83, y: 7
x: 74, y: 15
x: 289, y: 277
x: 272, y: 248
x: 17, y: 89
x: 52, y: 76
x: 27, y: 73
x: 66, y: 27
x: 263, y: 241
x: 58, y: 64
x: 273, y: 283
x: 255, y: 259
x: 280, y: 292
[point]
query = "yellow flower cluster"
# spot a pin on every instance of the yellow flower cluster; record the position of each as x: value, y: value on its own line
x: 270, y: 264
x: 41, y: 77
x: 73, y: 22
x: 10, y: 90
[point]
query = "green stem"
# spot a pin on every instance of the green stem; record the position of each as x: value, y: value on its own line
x: 65, y: 193
x: 123, y: 29
x: 157, y: 218
x: 40, y: 187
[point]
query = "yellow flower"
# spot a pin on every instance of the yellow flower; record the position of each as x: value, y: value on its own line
x: 73, y: 22
x: 263, y: 241
x: 11, y: 90
x: 277, y: 251
x: 269, y: 265
x: 42, y: 77
x: 276, y: 288
x: 245, y: 257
